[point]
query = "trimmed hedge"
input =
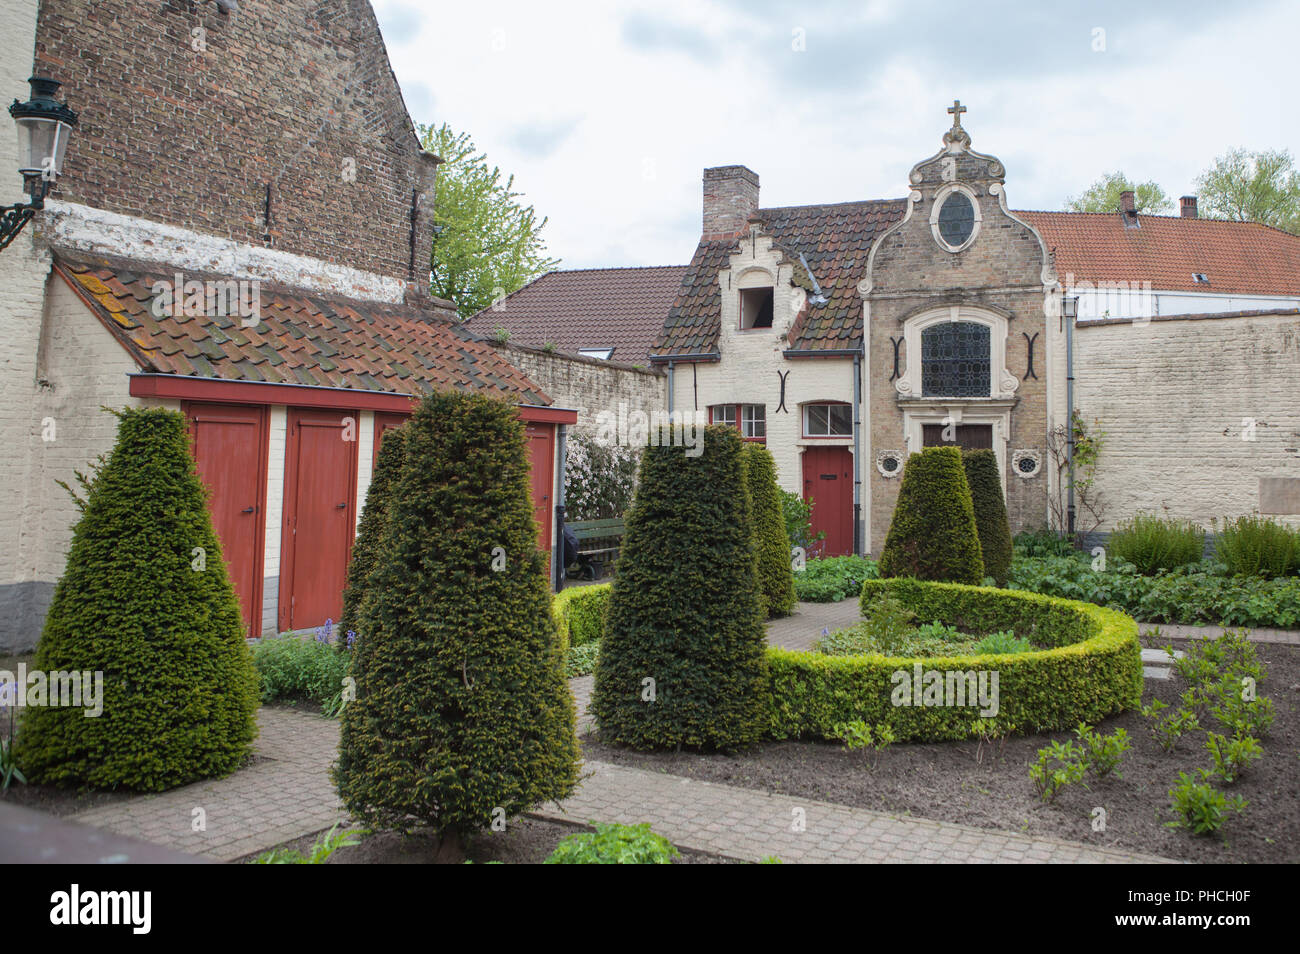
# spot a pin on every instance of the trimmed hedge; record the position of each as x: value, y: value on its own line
x: 368, y: 546
x: 932, y: 535
x: 136, y: 604
x: 985, y: 481
x: 580, y: 613
x: 1093, y: 668
x: 771, y: 543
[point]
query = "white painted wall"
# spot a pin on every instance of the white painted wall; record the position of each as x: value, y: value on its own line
x: 1130, y: 300
x: 276, y: 445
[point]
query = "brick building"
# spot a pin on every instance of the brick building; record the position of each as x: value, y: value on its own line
x: 241, y: 232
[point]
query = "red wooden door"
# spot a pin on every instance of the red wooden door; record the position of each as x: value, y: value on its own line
x: 320, y: 489
x: 230, y: 449
x: 541, y: 460
x: 385, y: 422
x: 828, y: 483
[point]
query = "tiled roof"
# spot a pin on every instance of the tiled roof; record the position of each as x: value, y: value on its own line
x: 1241, y: 258
x: 835, y: 239
x: 302, y: 338
x: 622, y: 308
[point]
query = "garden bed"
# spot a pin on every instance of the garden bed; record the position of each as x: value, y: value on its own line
x: 945, y: 781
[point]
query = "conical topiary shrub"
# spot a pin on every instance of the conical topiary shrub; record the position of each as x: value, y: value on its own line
x: 682, y: 661
x: 985, y: 483
x: 932, y: 535
x: 370, y: 530
x: 771, y: 545
x: 462, y: 714
x: 146, y: 601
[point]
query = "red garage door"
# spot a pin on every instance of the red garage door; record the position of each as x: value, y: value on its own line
x: 320, y: 488
x: 541, y: 460
x: 828, y: 483
x: 230, y: 448
x: 385, y: 422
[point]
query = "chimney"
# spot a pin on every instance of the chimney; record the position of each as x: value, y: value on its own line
x: 1187, y: 206
x: 421, y: 229
x: 730, y: 198
x: 1128, y: 208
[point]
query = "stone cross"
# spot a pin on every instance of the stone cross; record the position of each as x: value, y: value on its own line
x: 956, y: 109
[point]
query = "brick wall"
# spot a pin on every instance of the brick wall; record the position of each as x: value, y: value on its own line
x: 288, y: 92
x: 1171, y: 397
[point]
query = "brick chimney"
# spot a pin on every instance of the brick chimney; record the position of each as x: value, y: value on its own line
x: 1128, y: 208
x: 730, y: 198
x: 1187, y: 206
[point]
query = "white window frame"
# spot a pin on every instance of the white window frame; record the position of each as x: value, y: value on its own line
x: 808, y: 431
x: 1003, y: 384
x: 939, y: 198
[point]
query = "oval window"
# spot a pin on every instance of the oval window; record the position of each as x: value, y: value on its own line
x: 956, y: 219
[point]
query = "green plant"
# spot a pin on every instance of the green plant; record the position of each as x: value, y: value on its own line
x: 1042, y: 543
x: 797, y: 514
x: 1167, y: 729
x: 771, y: 545
x: 988, y: 731
x: 146, y: 601
x: 580, y: 613
x: 1089, y: 668
x: 681, y: 662
x: 1102, y: 753
x: 614, y: 845
x: 832, y: 579
x: 1058, y: 765
x: 888, y: 621
x: 1154, y: 543
x: 1002, y: 643
x: 9, y: 770
x: 321, y: 850
x: 933, y: 534
x: 1232, y: 756
x: 599, y: 477
x: 550, y: 347
x: 1199, y: 806
x: 581, y: 660
x: 500, y: 335
x: 462, y: 710
x: 858, y: 735
x: 367, y: 547
x: 1240, y: 709
x: 293, y: 667
x: 984, y: 478
x: 1258, y: 546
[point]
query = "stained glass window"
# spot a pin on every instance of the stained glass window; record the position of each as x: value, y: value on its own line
x: 956, y: 218
x: 955, y: 360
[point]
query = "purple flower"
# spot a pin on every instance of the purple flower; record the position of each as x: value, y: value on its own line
x: 352, y: 637
x: 8, y: 694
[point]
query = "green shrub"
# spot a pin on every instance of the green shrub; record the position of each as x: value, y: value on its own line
x: 462, y: 710
x: 933, y: 534
x: 1154, y: 543
x: 599, y: 478
x: 1258, y: 546
x: 1042, y: 543
x: 1232, y: 756
x: 146, y: 601
x: 1058, y: 765
x: 798, y: 522
x: 1200, y: 807
x: 1091, y: 669
x: 682, y: 659
x: 581, y: 660
x: 291, y: 667
x: 614, y: 845
x: 1102, y: 753
x: 1002, y: 643
x: 1168, y: 727
x: 985, y: 481
x: 367, y: 546
x: 321, y: 850
x: 771, y: 545
x: 580, y: 613
x: 832, y: 579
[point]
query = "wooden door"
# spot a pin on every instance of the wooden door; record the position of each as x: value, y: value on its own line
x: 828, y: 483
x: 966, y: 436
x: 320, y: 489
x: 229, y: 443
x: 385, y: 422
x: 541, y: 460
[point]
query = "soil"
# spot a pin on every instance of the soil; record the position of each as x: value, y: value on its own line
x: 959, y: 782
x: 526, y: 841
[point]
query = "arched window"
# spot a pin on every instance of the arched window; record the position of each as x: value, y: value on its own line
x: 956, y: 360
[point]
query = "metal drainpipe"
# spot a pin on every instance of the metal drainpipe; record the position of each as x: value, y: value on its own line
x: 857, y: 455
x: 557, y: 548
x: 1069, y: 421
x: 670, y: 387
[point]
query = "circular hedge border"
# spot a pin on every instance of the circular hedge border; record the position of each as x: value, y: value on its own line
x: 1093, y: 669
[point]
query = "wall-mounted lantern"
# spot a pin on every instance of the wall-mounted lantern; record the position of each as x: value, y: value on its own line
x: 44, y: 128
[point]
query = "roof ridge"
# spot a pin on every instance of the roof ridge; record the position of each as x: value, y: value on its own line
x: 832, y: 205
x: 1172, y: 218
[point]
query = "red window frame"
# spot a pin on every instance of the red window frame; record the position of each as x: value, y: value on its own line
x: 738, y: 413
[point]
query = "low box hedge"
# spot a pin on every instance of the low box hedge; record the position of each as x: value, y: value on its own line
x: 1093, y: 668
x: 579, y: 613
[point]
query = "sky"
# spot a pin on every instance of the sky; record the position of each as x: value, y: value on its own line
x: 607, y: 113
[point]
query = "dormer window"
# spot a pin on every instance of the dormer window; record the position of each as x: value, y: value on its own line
x: 600, y: 354
x: 1201, y: 278
x: 755, y: 308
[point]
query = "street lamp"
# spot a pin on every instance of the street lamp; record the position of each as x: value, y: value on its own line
x: 1069, y: 311
x: 44, y: 128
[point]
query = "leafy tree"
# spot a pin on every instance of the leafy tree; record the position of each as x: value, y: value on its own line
x: 488, y: 244
x: 462, y: 714
x: 1252, y: 187
x: 983, y: 476
x: 933, y: 535
x: 771, y: 545
x: 682, y: 662
x: 1104, y: 196
x: 144, y: 601
x: 368, y: 546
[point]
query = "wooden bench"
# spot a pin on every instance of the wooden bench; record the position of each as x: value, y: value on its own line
x: 598, y: 543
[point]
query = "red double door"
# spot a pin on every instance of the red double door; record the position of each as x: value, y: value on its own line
x: 828, y: 483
